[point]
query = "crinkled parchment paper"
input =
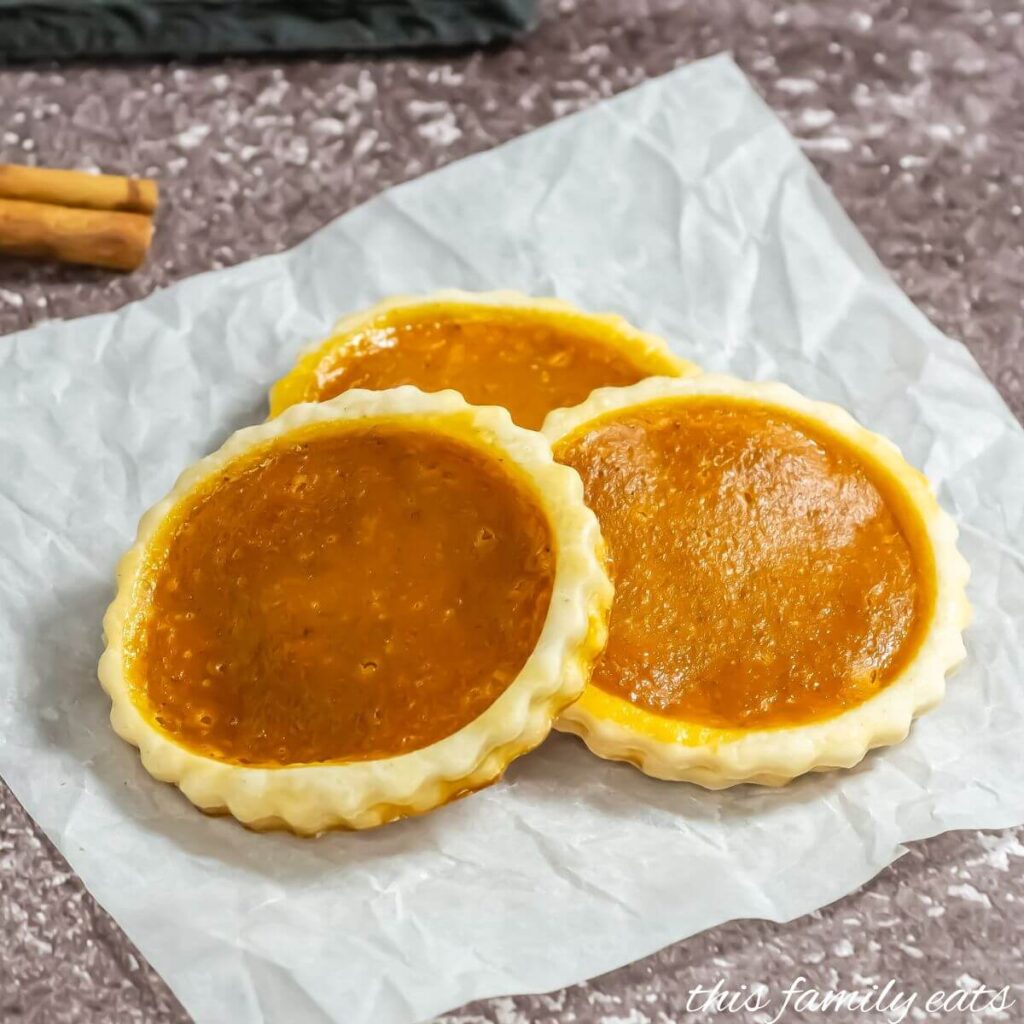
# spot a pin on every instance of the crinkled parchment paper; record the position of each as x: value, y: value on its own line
x: 683, y: 205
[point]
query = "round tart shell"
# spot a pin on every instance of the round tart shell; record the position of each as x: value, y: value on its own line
x: 676, y: 749
x: 648, y: 352
x: 311, y: 798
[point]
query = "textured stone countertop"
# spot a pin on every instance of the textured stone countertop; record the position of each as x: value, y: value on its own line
x: 914, y: 113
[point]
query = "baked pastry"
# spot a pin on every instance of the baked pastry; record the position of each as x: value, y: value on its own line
x: 788, y: 592
x: 495, y: 348
x: 354, y: 612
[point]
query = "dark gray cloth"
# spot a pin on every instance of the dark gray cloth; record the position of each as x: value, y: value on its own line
x: 193, y: 28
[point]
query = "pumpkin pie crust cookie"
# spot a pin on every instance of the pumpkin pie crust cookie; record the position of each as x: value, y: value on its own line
x: 355, y: 612
x: 789, y: 594
x: 495, y: 348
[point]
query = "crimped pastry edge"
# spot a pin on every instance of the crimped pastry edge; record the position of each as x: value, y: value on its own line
x: 649, y: 350
x: 310, y: 799
x: 715, y: 758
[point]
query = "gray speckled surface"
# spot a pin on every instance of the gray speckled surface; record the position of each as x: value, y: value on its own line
x: 915, y: 115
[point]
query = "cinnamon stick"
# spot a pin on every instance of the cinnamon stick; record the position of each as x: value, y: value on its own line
x: 99, y: 238
x: 78, y: 189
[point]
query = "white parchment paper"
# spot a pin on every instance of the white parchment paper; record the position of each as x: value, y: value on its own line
x: 685, y: 206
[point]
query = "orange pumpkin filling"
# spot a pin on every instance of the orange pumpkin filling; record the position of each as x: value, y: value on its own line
x: 338, y: 597
x: 765, y: 574
x: 527, y: 361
